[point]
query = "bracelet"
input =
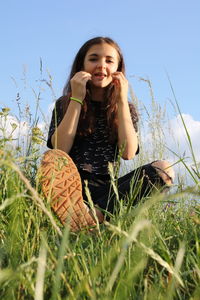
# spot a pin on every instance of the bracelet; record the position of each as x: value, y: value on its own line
x: 77, y: 100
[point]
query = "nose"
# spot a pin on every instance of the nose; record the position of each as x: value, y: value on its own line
x: 101, y: 64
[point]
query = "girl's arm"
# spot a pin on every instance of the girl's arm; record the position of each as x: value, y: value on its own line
x: 127, y: 136
x: 64, y: 134
x: 63, y: 137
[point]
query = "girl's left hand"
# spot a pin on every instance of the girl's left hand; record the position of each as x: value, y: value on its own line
x: 120, y: 84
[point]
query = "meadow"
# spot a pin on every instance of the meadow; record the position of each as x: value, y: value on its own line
x: 150, y: 251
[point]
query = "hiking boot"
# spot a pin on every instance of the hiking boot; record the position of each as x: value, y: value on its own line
x: 61, y: 184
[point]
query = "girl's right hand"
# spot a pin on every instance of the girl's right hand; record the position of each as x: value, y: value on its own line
x: 78, y: 84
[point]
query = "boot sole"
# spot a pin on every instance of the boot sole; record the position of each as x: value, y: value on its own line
x: 61, y: 184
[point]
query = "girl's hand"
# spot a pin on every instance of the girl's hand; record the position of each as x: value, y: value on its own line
x: 78, y: 84
x: 120, y: 84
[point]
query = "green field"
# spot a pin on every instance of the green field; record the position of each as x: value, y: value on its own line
x: 150, y: 251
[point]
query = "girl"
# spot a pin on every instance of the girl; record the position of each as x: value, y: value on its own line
x: 91, y: 123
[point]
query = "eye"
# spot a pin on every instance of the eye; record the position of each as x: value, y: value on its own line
x: 93, y: 59
x: 109, y: 61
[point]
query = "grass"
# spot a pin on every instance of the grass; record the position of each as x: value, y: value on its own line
x: 150, y: 251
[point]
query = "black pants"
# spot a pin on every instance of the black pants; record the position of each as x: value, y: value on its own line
x: 138, y: 184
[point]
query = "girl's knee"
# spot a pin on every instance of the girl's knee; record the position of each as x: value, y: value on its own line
x: 164, y: 170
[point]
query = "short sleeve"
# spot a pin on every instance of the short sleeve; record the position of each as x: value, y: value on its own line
x: 57, y: 116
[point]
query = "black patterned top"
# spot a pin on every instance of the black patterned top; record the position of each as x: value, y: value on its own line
x: 92, y: 152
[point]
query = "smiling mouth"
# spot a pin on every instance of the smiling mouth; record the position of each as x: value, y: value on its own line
x: 100, y: 75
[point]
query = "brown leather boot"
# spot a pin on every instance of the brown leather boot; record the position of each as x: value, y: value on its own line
x: 61, y: 184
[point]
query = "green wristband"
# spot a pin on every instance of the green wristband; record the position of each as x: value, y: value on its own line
x: 77, y: 100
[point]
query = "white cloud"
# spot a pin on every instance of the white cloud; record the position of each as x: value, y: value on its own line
x: 178, y: 141
x: 10, y: 126
x: 176, y: 137
x: 172, y: 135
x: 17, y: 131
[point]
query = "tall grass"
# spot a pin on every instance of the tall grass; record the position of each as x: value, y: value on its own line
x: 150, y: 251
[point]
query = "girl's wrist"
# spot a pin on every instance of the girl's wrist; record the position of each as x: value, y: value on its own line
x: 122, y: 100
x: 76, y: 99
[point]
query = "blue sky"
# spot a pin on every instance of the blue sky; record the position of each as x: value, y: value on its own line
x: 155, y: 37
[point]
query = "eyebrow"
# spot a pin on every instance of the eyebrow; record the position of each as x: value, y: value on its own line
x: 96, y: 55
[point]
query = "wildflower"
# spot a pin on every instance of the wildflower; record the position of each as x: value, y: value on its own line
x: 37, y: 140
x: 36, y: 131
x: 5, y: 111
x: 18, y: 149
x: 14, y: 126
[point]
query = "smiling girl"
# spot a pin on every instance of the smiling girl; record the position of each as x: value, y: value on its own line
x: 91, y: 123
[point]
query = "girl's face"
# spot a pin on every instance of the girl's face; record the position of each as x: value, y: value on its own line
x: 101, y: 61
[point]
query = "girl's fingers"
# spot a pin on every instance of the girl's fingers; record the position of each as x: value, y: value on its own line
x: 119, y: 76
x: 78, y: 84
x: 80, y: 79
x: 121, y: 85
x: 82, y: 76
x: 87, y: 77
x: 119, y: 79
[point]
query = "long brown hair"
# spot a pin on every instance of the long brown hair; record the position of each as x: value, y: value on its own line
x: 87, y: 121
